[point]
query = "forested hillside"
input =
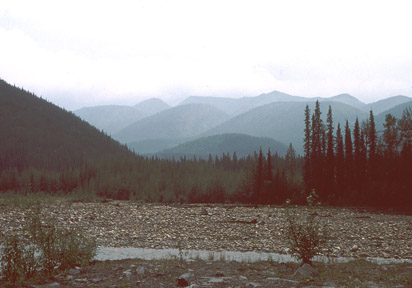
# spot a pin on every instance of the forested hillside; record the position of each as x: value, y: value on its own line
x: 239, y: 144
x: 36, y: 133
x: 47, y: 149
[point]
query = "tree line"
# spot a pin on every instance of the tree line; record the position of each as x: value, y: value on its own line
x: 151, y: 179
x: 359, y: 166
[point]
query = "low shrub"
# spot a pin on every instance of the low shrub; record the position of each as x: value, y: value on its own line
x: 43, y: 249
x: 305, y: 234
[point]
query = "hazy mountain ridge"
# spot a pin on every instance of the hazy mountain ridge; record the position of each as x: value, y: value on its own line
x: 283, y: 121
x: 388, y: 103
x: 242, y: 144
x: 183, y: 121
x: 113, y: 118
x: 151, y: 106
x: 396, y: 111
x: 276, y: 115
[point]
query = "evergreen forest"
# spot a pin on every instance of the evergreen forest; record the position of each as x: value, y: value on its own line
x: 46, y: 149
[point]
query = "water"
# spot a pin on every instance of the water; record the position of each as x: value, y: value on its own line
x: 111, y: 253
x: 122, y: 253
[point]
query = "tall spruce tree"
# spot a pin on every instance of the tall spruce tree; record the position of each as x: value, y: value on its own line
x: 372, y: 136
x: 390, y: 136
x: 330, y: 155
x: 268, y: 172
x: 317, y: 162
x: 357, y: 162
x: 307, y: 150
x: 348, y: 156
x: 258, y: 179
x: 340, y: 165
x: 290, y: 159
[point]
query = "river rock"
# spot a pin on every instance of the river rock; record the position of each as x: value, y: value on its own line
x: 306, y: 271
x: 140, y: 270
x: 184, y: 279
x: 127, y: 273
x: 73, y: 271
x: 53, y: 284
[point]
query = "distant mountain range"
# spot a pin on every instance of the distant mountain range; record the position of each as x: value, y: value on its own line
x: 113, y: 118
x: 275, y: 115
x: 230, y: 143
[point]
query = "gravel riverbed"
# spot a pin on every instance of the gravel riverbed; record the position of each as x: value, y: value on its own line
x: 352, y: 232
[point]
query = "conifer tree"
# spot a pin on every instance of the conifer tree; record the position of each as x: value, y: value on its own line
x: 290, y: 159
x: 348, y: 155
x: 307, y: 150
x: 317, y: 150
x: 372, y: 136
x: 330, y: 155
x: 258, y: 179
x: 268, y: 174
x: 340, y: 164
x: 357, y: 152
x: 390, y: 136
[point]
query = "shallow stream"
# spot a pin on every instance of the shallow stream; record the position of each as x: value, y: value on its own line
x: 111, y: 253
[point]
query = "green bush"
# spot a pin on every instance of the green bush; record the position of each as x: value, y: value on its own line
x: 306, y: 236
x: 43, y: 249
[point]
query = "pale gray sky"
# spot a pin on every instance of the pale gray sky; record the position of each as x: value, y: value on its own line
x: 82, y: 53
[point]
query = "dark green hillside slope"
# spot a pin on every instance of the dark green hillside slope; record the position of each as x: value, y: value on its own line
x: 242, y: 144
x: 395, y: 111
x: 283, y: 121
x: 388, y: 103
x: 36, y: 133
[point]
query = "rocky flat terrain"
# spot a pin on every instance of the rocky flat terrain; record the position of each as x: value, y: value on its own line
x: 352, y: 232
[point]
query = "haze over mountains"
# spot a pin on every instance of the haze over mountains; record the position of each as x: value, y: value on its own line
x: 154, y: 127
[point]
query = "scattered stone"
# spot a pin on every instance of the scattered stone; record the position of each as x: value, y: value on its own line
x: 54, y: 284
x: 282, y: 280
x: 354, y: 248
x: 252, y: 285
x: 184, y: 280
x: 204, y: 212
x: 306, y: 271
x: 73, y: 272
x: 96, y: 280
x: 127, y: 273
x: 219, y: 274
x: 140, y: 271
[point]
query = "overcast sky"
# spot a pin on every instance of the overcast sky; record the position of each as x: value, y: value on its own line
x: 82, y: 53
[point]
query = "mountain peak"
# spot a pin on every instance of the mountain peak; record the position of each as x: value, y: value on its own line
x: 152, y: 106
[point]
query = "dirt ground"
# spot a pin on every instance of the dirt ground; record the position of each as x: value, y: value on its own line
x: 167, y: 273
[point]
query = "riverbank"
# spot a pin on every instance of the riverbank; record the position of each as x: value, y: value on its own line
x: 199, y: 273
x: 354, y: 233
x: 357, y: 234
